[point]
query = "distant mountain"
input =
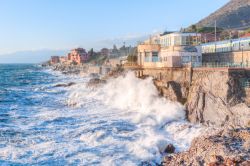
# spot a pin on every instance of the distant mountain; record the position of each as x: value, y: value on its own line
x: 30, y: 56
x: 234, y: 15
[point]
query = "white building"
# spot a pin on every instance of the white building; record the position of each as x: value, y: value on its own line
x: 170, y: 50
x: 180, y: 49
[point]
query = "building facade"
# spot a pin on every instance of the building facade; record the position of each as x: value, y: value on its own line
x: 148, y: 54
x: 171, y: 50
x: 55, y: 60
x: 78, y: 56
x: 105, y: 52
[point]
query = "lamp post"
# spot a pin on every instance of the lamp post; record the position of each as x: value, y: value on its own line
x: 242, y: 46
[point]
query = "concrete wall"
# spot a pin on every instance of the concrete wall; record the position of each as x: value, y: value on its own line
x: 169, y: 74
x: 94, y: 69
x: 230, y: 57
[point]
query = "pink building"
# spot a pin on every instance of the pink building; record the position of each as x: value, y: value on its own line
x: 63, y: 59
x: 78, y: 56
x: 55, y: 59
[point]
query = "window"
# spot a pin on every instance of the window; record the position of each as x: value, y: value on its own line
x: 199, y: 59
x: 147, y: 57
x: 155, y: 54
x: 185, y: 59
x: 193, y: 58
x: 155, y: 57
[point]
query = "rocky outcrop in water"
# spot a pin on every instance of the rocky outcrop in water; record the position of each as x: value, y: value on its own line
x: 224, y: 148
x: 95, y: 82
x: 70, y: 69
x: 65, y: 85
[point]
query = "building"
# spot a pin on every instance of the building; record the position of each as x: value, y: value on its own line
x: 78, y: 56
x: 180, y: 49
x: 113, y: 53
x: 105, y: 52
x: 171, y: 50
x: 63, y: 59
x: 233, y: 53
x: 125, y: 51
x: 154, y: 39
x: 148, y: 54
x: 246, y: 35
x: 55, y: 60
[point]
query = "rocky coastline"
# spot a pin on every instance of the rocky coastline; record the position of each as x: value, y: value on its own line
x: 217, y: 103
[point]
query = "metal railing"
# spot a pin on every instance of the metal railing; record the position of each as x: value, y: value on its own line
x: 221, y: 65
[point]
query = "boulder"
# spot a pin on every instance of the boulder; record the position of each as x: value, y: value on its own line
x: 65, y: 85
x: 170, y: 148
x: 224, y: 147
x: 94, y: 82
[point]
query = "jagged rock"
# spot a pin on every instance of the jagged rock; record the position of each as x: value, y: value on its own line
x: 95, y: 82
x: 170, y: 148
x: 172, y: 90
x: 65, y: 85
x: 216, y: 98
x: 222, y: 148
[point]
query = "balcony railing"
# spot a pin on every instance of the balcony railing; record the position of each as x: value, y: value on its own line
x: 221, y: 65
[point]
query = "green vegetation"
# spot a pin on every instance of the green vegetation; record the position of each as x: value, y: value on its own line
x: 194, y: 28
x: 209, y: 29
x: 97, y: 59
x: 133, y: 56
x: 247, y: 30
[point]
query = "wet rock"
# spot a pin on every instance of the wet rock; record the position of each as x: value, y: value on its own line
x: 215, y: 149
x: 65, y: 85
x: 94, y: 82
x: 172, y: 90
x: 170, y: 148
x: 217, y: 99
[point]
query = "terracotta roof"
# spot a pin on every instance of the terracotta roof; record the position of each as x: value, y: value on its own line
x: 246, y: 35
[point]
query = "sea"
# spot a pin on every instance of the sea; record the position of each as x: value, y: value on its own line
x: 123, y: 122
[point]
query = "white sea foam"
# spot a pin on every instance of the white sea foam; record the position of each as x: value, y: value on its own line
x: 157, y: 121
x: 123, y: 122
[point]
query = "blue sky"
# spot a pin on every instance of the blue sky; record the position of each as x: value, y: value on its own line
x: 63, y: 24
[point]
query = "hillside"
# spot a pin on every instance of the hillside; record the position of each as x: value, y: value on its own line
x: 235, y: 14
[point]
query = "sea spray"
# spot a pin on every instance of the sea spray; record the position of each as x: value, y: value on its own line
x: 135, y: 101
x: 123, y: 122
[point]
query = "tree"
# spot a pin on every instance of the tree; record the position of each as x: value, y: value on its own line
x: 91, y: 52
x: 225, y: 35
x: 194, y: 28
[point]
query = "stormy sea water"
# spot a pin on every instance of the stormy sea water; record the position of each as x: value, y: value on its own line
x: 123, y: 122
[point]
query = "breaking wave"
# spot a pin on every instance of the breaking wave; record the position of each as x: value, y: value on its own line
x: 150, y: 122
x: 123, y: 122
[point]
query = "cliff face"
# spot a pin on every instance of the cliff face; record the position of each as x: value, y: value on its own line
x: 212, y: 97
x: 217, y: 98
x: 235, y: 14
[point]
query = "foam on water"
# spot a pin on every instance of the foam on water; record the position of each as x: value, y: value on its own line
x: 150, y: 122
x: 123, y: 122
